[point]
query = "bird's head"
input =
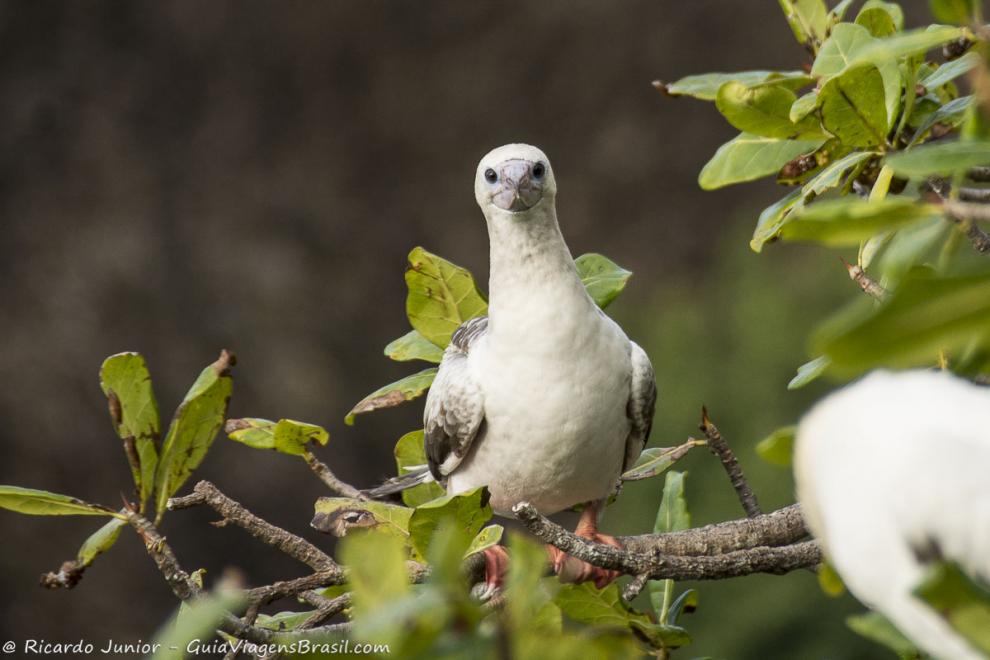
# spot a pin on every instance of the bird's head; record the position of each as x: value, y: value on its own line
x: 514, y: 178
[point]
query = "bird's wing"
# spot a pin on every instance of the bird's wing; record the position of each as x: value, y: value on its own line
x: 455, y: 413
x: 641, y: 405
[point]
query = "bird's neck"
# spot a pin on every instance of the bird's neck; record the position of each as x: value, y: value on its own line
x: 534, y: 285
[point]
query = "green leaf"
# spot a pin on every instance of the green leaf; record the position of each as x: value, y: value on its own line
x: 840, y: 50
x: 923, y: 316
x: 377, y: 574
x: 657, y: 460
x: 803, y: 106
x: 833, y: 175
x: 410, y: 454
x: 951, y: 114
x: 913, y: 42
x: 882, y: 19
x: 747, y: 157
x: 773, y: 218
x: 441, y: 296
x: 957, y: 12
x: 941, y: 158
x: 402, y: 390
x: 194, y: 427
x: 838, y: 12
x: 763, y: 110
x: 100, y: 541
x: 950, y: 71
x: 909, y: 246
x: 809, y: 371
x: 340, y: 516
x: 604, y: 608
x: 414, y: 346
x: 964, y: 604
x: 467, y: 512
x: 808, y: 20
x: 531, y: 602
x: 283, y: 620
x: 875, y: 627
x: 687, y: 602
x: 829, y: 581
x: 778, y: 447
x: 673, y: 516
x: 43, y: 503
x: 486, y: 538
x: 705, y: 86
x: 850, y: 221
x: 285, y: 436
x: 602, y: 278
x: 196, y: 621
x: 126, y: 383
x: 852, y: 107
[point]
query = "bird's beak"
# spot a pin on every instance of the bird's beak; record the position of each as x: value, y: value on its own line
x: 517, y: 190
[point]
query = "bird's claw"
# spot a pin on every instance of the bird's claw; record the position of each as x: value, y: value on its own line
x: 573, y: 570
x: 496, y: 568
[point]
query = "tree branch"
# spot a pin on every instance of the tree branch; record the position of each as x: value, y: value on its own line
x: 720, y: 448
x: 869, y: 285
x: 659, y: 566
x: 322, y: 470
x: 296, y: 547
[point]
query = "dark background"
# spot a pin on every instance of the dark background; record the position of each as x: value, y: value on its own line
x: 180, y: 177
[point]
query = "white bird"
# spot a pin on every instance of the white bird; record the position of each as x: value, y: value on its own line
x: 892, y: 473
x: 545, y: 400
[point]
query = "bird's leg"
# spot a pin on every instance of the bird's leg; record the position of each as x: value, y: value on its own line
x: 570, y: 569
x: 496, y: 567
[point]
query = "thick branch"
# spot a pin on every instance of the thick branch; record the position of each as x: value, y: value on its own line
x: 658, y: 566
x: 781, y: 527
x: 720, y: 448
x: 292, y: 545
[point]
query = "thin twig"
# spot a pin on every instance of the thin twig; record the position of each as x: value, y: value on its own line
x: 869, y: 285
x: 979, y: 174
x: 720, y: 448
x: 322, y: 470
x: 292, y: 545
x: 635, y: 587
x: 325, y: 607
x: 978, y: 195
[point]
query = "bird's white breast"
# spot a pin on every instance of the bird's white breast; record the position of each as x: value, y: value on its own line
x: 555, y: 412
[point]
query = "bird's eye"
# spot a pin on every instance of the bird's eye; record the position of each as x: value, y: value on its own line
x: 539, y: 170
x: 490, y: 175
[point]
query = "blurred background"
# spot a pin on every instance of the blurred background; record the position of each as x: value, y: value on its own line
x: 178, y: 177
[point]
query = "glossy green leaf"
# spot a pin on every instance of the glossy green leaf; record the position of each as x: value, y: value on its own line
x: 486, y: 538
x: 441, y: 296
x: 940, y: 158
x: 950, y: 70
x: 414, y: 346
x: 850, y: 221
x: 923, y: 316
x: 747, y: 157
x: 957, y: 12
x: 605, y: 608
x: 656, y: 460
x: 673, y: 516
x: 402, y: 390
x: 43, y: 503
x: 285, y: 436
x: 705, y: 86
x: 602, y: 278
x: 852, y: 107
x: 963, y: 604
x: 772, y: 219
x: 809, y: 371
x: 913, y: 42
x: 882, y: 19
x: 875, y: 627
x: 126, y: 383
x: 763, y: 110
x: 808, y: 20
x: 803, y: 106
x: 194, y: 427
x: 833, y: 175
x: 100, y: 541
x: 410, y: 454
x: 778, y: 447
x: 840, y: 50
x: 467, y: 512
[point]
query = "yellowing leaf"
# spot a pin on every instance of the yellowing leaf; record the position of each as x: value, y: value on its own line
x: 402, y: 390
x: 441, y: 296
x: 414, y: 346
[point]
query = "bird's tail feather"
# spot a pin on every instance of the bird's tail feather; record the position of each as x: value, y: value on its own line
x: 418, y: 475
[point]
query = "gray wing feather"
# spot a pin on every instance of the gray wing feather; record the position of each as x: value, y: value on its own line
x: 455, y: 412
x: 641, y: 406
